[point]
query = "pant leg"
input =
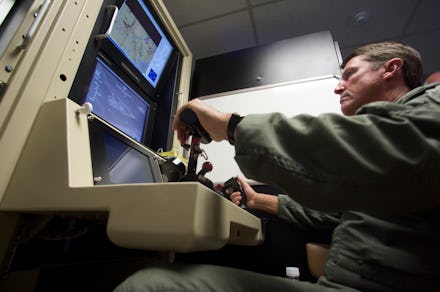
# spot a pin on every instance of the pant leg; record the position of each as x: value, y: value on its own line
x: 204, y: 278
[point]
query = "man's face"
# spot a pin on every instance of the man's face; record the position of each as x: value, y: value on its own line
x: 360, y: 84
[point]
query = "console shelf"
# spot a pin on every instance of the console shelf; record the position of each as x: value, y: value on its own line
x: 54, y: 175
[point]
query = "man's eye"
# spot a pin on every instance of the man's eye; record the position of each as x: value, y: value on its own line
x: 348, y: 75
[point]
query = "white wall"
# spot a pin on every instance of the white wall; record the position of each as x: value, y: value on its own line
x: 312, y: 96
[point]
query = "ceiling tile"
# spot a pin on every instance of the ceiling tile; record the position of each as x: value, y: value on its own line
x: 428, y: 44
x: 258, y: 2
x: 292, y: 18
x: 345, y: 51
x: 229, y: 33
x: 213, y: 27
x: 189, y: 11
x: 426, y: 17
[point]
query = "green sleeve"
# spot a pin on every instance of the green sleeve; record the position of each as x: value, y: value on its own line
x: 305, y: 218
x: 384, y: 159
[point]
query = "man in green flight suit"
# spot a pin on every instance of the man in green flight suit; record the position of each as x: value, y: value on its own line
x: 378, y: 165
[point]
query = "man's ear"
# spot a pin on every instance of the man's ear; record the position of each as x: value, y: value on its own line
x: 392, y: 68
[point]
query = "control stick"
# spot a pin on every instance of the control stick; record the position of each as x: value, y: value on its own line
x: 189, y: 117
x: 233, y: 185
x: 199, y: 134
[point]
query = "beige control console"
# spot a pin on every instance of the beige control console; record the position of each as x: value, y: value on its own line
x: 54, y: 175
x: 45, y: 153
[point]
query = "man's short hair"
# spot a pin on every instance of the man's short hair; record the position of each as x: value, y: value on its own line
x: 379, y: 53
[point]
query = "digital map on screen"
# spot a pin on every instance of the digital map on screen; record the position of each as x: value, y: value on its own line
x: 133, y: 39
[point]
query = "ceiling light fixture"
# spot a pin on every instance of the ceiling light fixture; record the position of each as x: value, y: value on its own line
x: 361, y: 18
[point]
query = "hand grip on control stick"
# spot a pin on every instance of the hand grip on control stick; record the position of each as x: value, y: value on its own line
x: 233, y: 185
x: 189, y: 117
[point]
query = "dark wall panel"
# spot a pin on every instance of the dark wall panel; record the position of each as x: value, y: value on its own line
x: 293, y: 59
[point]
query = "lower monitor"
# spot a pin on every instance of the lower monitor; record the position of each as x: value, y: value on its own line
x: 118, y: 160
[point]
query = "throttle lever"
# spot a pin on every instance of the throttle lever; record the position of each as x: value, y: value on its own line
x: 189, y: 117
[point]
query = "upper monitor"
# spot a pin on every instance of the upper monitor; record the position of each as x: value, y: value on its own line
x: 138, y: 36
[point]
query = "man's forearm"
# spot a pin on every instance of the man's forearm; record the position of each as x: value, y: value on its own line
x: 267, y: 203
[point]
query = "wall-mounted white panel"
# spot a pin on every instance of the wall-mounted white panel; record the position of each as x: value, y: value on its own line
x: 312, y: 96
x: 5, y: 7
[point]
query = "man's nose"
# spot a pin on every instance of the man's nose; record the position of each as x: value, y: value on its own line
x: 340, y: 87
